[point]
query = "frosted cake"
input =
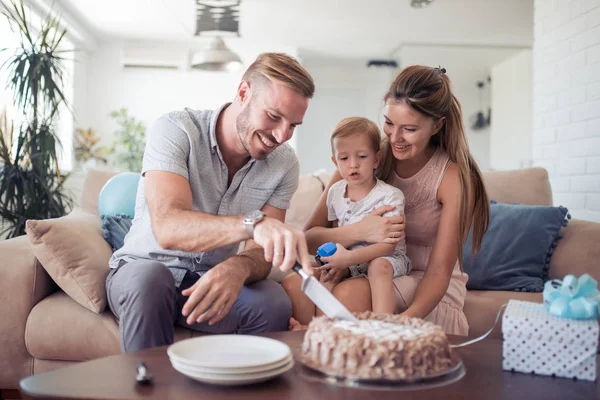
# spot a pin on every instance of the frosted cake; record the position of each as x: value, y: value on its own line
x: 378, y: 346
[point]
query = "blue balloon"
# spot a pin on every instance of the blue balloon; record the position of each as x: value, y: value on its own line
x: 118, y: 195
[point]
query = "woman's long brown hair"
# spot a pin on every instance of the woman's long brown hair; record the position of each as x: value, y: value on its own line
x: 429, y: 91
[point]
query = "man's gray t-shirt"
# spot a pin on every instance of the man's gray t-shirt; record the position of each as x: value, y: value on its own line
x: 184, y: 142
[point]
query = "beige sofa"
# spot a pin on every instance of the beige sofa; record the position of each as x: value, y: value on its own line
x: 42, y: 328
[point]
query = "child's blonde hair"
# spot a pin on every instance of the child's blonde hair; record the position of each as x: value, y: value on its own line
x: 356, y: 126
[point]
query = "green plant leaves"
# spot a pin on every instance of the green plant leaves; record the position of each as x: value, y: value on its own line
x: 36, y: 68
x: 129, y: 142
x: 31, y: 184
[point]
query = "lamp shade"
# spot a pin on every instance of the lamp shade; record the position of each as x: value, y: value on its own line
x: 216, y: 56
x: 420, y: 3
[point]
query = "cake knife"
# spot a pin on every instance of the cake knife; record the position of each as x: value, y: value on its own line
x: 322, y: 297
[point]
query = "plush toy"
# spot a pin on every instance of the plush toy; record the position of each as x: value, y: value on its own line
x: 117, y: 197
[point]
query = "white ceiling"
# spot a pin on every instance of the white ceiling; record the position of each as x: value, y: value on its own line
x: 332, y: 28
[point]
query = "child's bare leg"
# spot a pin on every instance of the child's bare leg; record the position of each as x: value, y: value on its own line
x: 303, y: 309
x: 329, y: 284
x: 296, y: 326
x: 329, y: 287
x: 382, y: 289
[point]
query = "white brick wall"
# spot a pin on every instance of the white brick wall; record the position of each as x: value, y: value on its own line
x: 566, y: 101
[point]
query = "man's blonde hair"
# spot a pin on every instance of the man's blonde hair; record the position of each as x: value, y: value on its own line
x: 356, y: 126
x: 281, y: 68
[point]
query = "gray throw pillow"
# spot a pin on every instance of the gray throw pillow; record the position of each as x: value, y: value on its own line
x: 516, y: 249
x: 114, y: 229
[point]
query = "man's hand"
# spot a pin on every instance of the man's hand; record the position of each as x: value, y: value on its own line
x: 283, y: 245
x: 212, y: 296
x: 382, y: 229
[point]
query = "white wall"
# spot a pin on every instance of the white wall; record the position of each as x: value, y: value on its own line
x: 148, y: 93
x: 465, y: 65
x: 348, y: 88
x: 512, y: 112
x: 566, y: 95
x: 102, y: 85
x: 343, y: 89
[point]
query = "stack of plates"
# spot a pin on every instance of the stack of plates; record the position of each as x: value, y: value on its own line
x: 231, y: 359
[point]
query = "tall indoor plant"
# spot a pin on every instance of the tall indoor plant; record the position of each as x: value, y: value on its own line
x: 31, y: 185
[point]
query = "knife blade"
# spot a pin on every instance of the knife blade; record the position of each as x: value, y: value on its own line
x: 322, y: 297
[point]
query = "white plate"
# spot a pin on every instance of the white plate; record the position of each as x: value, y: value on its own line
x: 229, y: 351
x: 235, y: 379
x: 232, y: 371
x: 227, y: 377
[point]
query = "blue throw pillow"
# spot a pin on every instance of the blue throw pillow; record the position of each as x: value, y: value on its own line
x: 516, y: 249
x: 114, y: 229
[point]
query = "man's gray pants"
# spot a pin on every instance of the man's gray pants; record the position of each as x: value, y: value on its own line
x: 143, y: 296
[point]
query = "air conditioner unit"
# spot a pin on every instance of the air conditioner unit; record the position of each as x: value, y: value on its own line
x: 156, y: 57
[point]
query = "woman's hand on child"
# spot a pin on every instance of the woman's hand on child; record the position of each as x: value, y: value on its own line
x: 333, y: 276
x: 375, y: 228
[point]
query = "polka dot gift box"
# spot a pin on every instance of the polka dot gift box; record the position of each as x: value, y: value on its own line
x: 557, y: 338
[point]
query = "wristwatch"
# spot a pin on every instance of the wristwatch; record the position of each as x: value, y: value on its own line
x: 251, y: 219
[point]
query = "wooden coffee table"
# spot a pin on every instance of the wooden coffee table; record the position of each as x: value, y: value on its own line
x: 114, y: 378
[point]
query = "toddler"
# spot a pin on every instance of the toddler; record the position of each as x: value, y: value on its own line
x: 355, y: 146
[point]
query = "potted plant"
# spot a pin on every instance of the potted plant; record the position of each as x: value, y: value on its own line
x: 88, y: 152
x: 31, y: 184
x: 128, y: 145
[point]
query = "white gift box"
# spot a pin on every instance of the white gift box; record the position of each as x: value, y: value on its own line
x: 540, y: 343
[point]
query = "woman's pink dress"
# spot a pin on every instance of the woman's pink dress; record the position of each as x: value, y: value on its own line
x: 423, y: 212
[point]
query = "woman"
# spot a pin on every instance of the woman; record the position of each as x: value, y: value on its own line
x: 427, y: 157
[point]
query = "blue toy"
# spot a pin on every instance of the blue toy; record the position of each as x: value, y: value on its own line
x: 117, y: 197
x: 325, y: 250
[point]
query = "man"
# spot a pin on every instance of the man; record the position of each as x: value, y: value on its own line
x: 210, y: 180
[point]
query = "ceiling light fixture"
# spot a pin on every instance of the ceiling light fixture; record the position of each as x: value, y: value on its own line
x: 216, y: 56
x: 420, y: 3
x: 215, y: 18
x: 382, y: 63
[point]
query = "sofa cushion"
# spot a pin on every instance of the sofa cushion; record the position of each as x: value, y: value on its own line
x: 60, y: 329
x: 74, y: 253
x: 304, y: 200
x: 482, y: 306
x: 23, y: 282
x: 87, y: 337
x: 526, y: 186
x: 93, y: 184
x: 578, y: 251
x: 516, y: 249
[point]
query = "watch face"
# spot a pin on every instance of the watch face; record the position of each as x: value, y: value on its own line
x: 254, y: 215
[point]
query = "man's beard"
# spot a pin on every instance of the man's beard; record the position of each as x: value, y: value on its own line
x: 244, y: 130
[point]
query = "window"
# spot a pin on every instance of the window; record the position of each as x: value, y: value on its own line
x: 64, y: 122
x: 9, y: 40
